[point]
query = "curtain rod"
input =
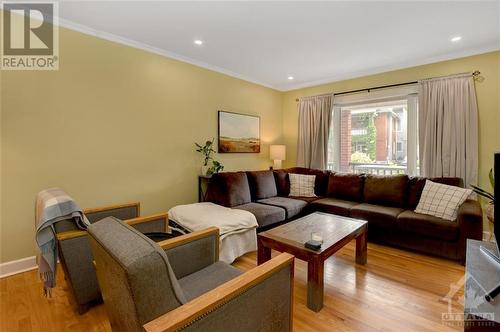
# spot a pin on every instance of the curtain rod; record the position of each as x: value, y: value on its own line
x: 475, y: 74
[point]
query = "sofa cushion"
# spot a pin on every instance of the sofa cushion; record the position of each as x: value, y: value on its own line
x: 265, y: 214
x: 388, y: 190
x: 282, y: 182
x: 292, y: 206
x: 333, y: 205
x: 229, y: 189
x: 321, y: 181
x: 262, y: 184
x: 207, y: 279
x: 429, y: 226
x: 377, y: 215
x: 416, y: 186
x: 346, y: 186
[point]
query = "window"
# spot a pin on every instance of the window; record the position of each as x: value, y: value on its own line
x: 375, y: 133
x: 397, y: 124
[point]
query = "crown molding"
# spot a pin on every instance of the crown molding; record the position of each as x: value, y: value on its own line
x: 279, y: 87
x: 398, y: 66
x: 145, y: 47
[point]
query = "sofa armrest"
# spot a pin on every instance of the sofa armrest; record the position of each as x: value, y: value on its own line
x: 192, y: 252
x: 260, y: 299
x: 121, y: 211
x: 470, y: 220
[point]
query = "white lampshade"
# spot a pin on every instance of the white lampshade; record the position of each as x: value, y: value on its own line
x: 277, y: 152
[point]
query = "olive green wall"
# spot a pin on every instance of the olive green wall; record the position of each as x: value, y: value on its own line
x: 487, y: 90
x: 115, y: 124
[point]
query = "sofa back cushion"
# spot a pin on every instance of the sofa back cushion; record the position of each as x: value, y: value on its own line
x: 262, y: 184
x: 229, y: 189
x: 282, y: 182
x: 389, y: 190
x: 416, y: 186
x: 321, y: 181
x: 346, y: 186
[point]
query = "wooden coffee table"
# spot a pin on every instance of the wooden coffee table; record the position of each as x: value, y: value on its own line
x: 336, y: 231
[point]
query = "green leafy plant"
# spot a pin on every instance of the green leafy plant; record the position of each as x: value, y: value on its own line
x: 361, y: 158
x: 206, y: 150
x: 484, y: 193
x: 365, y: 120
x: 215, y: 168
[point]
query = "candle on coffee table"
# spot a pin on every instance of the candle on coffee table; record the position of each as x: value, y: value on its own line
x: 317, y: 237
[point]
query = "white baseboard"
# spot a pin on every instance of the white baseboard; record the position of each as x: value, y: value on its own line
x: 17, y: 266
x: 29, y: 263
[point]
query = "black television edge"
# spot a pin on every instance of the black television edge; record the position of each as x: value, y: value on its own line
x: 496, y: 194
x: 495, y: 256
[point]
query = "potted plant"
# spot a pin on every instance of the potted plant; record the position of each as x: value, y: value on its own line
x: 491, y: 204
x: 216, y: 167
x: 207, y: 151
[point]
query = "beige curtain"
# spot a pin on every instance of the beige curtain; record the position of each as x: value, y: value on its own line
x: 314, y: 124
x: 448, y: 135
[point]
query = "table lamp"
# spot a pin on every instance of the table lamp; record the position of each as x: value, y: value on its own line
x: 277, y: 153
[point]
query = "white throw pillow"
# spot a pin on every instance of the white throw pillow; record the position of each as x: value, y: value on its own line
x: 302, y: 185
x: 441, y: 200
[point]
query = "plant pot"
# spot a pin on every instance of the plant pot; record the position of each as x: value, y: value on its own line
x: 204, y: 170
x: 490, y: 212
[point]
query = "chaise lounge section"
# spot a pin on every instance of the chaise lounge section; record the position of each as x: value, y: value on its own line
x: 387, y: 202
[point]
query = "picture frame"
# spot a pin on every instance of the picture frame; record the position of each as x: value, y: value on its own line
x: 238, y: 133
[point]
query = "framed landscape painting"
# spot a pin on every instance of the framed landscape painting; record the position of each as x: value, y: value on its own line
x: 238, y: 133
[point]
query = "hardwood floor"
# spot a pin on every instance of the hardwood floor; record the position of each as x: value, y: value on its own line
x: 395, y: 291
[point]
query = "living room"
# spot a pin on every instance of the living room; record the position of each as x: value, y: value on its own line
x: 253, y: 129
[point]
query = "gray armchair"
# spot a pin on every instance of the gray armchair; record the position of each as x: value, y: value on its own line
x: 75, y: 254
x: 179, y: 284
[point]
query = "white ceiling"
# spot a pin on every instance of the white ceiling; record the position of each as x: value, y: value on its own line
x: 315, y: 42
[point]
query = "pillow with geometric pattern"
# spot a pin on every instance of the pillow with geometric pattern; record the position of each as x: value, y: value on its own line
x: 441, y: 200
x: 302, y: 185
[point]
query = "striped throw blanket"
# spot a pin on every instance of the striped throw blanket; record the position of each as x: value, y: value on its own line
x: 53, y: 205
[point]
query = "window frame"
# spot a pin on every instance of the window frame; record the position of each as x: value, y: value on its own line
x: 406, y: 92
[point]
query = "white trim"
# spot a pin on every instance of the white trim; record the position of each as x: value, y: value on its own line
x: 17, y: 266
x: 412, y: 135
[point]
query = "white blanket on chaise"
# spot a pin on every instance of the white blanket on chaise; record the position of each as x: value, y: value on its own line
x: 236, y: 227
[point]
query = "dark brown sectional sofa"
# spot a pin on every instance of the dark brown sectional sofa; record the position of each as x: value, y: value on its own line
x: 386, y: 202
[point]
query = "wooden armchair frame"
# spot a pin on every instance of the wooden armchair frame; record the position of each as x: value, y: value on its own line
x: 204, y: 304
x: 86, y: 290
x: 74, y: 234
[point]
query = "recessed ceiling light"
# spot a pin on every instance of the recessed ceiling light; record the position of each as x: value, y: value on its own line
x: 198, y: 42
x: 455, y: 39
x: 290, y: 78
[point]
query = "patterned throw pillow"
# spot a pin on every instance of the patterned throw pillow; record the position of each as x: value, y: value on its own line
x: 302, y: 185
x: 441, y: 200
